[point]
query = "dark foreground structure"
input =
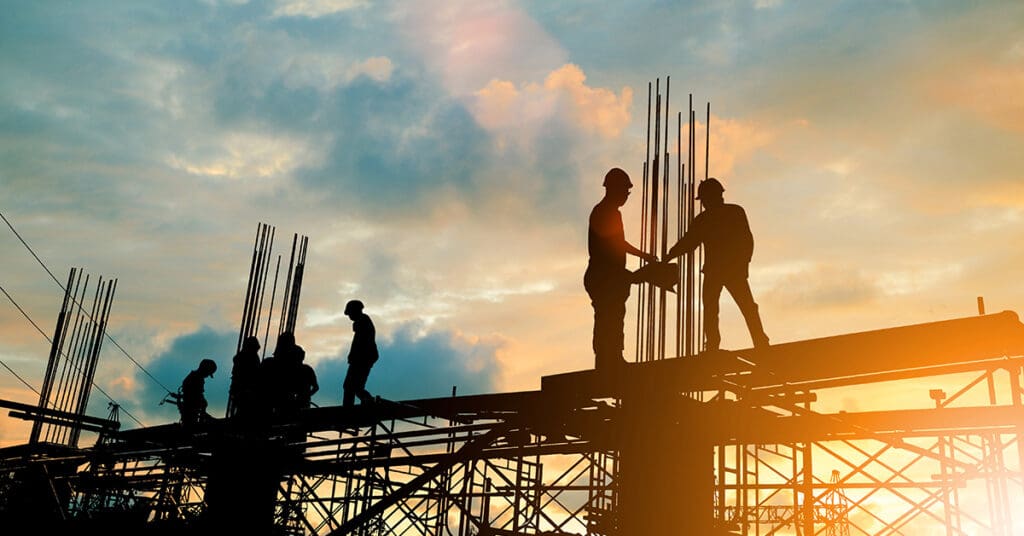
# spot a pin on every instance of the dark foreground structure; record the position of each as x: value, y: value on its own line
x: 726, y: 444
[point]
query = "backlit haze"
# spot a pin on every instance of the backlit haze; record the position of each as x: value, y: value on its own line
x: 442, y: 158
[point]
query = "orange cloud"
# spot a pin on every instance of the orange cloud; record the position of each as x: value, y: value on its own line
x: 732, y: 141
x: 503, y: 107
x: 597, y: 109
x: 993, y: 93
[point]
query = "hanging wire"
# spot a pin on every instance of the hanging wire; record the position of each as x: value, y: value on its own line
x: 109, y: 337
x: 48, y: 339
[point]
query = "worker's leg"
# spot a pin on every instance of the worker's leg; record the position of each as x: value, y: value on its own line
x: 349, y: 388
x: 355, y: 384
x: 710, y: 294
x: 364, y: 395
x: 609, y: 317
x: 739, y: 288
x: 608, y: 295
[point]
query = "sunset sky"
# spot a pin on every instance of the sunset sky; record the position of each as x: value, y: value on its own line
x: 442, y: 158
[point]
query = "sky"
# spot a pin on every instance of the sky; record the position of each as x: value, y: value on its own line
x: 443, y: 157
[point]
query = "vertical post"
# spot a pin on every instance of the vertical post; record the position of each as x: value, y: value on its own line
x: 680, y: 216
x: 655, y: 176
x: 248, y: 288
x: 270, y: 310
x: 55, y: 350
x: 283, y: 323
x: 641, y: 302
x: 662, y: 294
x: 807, y: 517
x: 707, y: 142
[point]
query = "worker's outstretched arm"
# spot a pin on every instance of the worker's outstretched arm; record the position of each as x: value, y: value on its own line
x: 686, y: 244
x: 633, y: 250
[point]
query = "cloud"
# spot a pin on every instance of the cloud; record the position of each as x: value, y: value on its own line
x: 994, y: 93
x: 316, y: 8
x: 466, y: 43
x: 733, y: 141
x: 327, y: 71
x: 248, y: 155
x: 377, y: 68
x: 391, y: 145
x: 816, y: 286
x: 502, y: 107
x: 416, y: 363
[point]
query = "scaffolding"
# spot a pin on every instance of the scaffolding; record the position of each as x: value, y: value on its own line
x: 560, y: 460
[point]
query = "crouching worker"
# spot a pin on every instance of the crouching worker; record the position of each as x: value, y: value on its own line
x: 191, y: 396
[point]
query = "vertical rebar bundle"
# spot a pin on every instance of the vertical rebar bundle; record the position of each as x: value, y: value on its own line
x: 293, y: 285
x: 254, y: 307
x: 74, y: 353
x: 662, y: 209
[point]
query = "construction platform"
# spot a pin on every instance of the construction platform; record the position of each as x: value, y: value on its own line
x: 723, y: 443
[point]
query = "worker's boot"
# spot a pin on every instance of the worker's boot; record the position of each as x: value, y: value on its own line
x: 753, y: 318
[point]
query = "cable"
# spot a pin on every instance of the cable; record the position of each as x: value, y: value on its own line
x: 48, y: 339
x: 61, y: 285
x: 34, y: 390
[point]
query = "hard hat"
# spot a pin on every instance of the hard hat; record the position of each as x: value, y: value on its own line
x: 709, y: 188
x: 251, y: 342
x: 616, y: 177
x: 208, y: 366
x: 353, y: 306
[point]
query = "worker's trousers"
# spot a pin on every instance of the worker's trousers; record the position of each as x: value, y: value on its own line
x: 739, y: 288
x: 608, y: 294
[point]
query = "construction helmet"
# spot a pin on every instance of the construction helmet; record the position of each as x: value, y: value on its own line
x: 251, y: 343
x: 709, y: 188
x: 353, y: 306
x: 207, y: 367
x: 616, y: 177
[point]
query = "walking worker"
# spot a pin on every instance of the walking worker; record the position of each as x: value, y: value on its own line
x: 362, y: 355
x: 607, y: 280
x: 192, y: 401
x: 724, y: 231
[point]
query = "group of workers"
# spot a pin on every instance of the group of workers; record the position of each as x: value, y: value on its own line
x: 280, y: 385
x: 722, y: 228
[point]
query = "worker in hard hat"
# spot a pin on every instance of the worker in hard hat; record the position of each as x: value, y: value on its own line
x: 191, y: 396
x: 607, y: 280
x: 724, y: 231
x: 362, y: 355
x: 244, y: 389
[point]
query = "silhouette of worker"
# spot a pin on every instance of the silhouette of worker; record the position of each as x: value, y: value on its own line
x: 192, y: 403
x: 362, y: 355
x: 273, y: 385
x: 728, y: 246
x: 245, y: 377
x: 607, y: 280
x: 301, y: 378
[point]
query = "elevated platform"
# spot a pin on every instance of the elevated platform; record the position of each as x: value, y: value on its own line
x: 894, y: 353
x: 756, y: 376
x: 665, y: 448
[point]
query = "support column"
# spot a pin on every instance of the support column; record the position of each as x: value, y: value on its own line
x: 666, y: 473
